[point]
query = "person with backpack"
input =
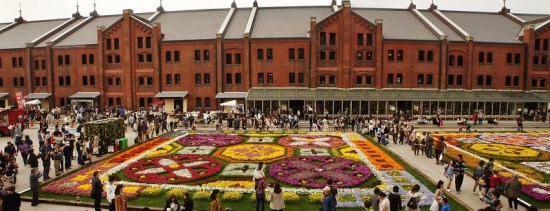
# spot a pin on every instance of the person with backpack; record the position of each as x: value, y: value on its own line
x: 478, y: 173
x: 414, y: 198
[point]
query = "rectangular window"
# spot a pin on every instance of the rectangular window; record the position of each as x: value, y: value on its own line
x: 44, y: 81
x: 536, y: 60
x: 62, y: 101
x: 118, y: 81
x: 36, y: 64
x: 300, y: 53
x: 450, y: 80
x: 537, y: 44
x: 323, y: 38
x: 228, y: 59
x: 300, y: 78
x: 545, y: 44
x: 322, y: 80
x: 84, y: 59
x: 368, y: 57
x: 228, y: 78
x: 323, y: 55
x: 85, y: 80
x: 67, y: 60
x: 149, y: 81
x: 92, y: 80
x: 197, y: 56
x: 116, y: 44
x: 358, y: 80
x: 368, y: 80
x: 61, y: 81
x: 238, y: 78
x: 15, y: 82
x: 141, y: 81
x: 176, y: 56
x: 332, y: 55
x: 206, y: 78
x: 21, y: 81
x: 269, y: 54
x: 148, y: 42
x: 168, y: 56
x: 331, y: 80
x: 420, y: 55
x: 429, y: 79
x: 20, y: 61
x: 390, y: 78
x: 37, y: 81
x: 206, y: 55
x: 177, y: 79
x: 459, y: 80
x: 360, y: 39
x: 480, y: 80
x: 198, y: 102
x: 197, y: 78
x: 391, y: 55
x: 141, y: 102
x: 43, y: 64
x: 168, y: 78
x: 534, y: 83
x: 332, y: 38
x: 140, y: 42
x: 359, y: 56
x: 543, y: 59
x: 117, y: 59
x: 119, y: 101
x: 369, y: 39
x: 260, y: 78
x: 291, y: 78
x: 430, y: 56
x: 420, y: 79
x: 110, y: 81
x: 59, y: 61
x: 291, y: 54
x: 508, y: 81
x: 516, y: 81
x: 108, y: 44
x: 517, y: 59
x: 207, y: 102
x: 141, y: 58
x: 451, y: 61
x: 237, y: 58
x: 542, y: 83
x: 490, y: 58
x: 509, y: 58
x: 481, y: 57
x: 68, y: 80
x: 488, y: 80
x: 149, y: 57
x: 399, y: 79
x: 460, y: 61
x: 260, y: 54
x: 400, y: 55
x: 269, y: 78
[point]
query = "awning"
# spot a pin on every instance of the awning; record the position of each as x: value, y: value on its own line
x: 231, y: 95
x: 394, y: 95
x: 85, y: 95
x: 182, y: 94
x: 33, y: 102
x: 230, y: 103
x: 3, y: 95
x: 40, y: 96
x: 157, y: 104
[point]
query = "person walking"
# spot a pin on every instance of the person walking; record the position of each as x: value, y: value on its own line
x: 35, y: 185
x: 519, y: 121
x: 277, y: 202
x: 24, y: 149
x: 110, y: 190
x: 478, y: 173
x: 215, y: 201
x: 438, y: 196
x: 259, y: 177
x: 414, y: 198
x: 120, y: 200
x: 459, y: 170
x: 439, y: 146
x: 512, y: 191
x: 395, y: 199
x: 33, y: 159
x: 97, y: 189
x: 11, y: 200
x: 449, y: 173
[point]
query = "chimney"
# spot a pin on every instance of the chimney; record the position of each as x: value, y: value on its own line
x: 346, y: 3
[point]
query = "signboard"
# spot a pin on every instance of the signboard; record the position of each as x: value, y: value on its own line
x: 20, y: 100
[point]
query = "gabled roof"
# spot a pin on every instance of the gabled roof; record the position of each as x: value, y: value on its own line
x: 238, y: 24
x: 486, y: 27
x: 286, y: 22
x: 18, y: 36
x: 87, y: 35
x: 398, y: 24
x: 64, y: 30
x: 2, y: 25
x: 451, y: 34
x: 191, y: 24
x: 531, y: 17
x: 145, y: 15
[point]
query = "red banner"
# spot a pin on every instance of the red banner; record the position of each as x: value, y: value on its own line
x: 20, y: 100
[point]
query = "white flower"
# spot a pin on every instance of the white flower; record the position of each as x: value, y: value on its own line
x: 299, y: 141
x: 261, y: 140
x: 239, y: 169
x: 314, y: 152
x: 202, y: 150
x: 540, y: 166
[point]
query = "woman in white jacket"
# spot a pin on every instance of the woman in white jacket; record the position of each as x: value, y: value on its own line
x: 414, y: 198
x: 276, y: 199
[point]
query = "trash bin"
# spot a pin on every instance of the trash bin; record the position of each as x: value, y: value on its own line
x: 122, y: 143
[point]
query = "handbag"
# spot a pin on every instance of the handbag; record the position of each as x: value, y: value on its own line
x: 413, y: 203
x: 482, y: 182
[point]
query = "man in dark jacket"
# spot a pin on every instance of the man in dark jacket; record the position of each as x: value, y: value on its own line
x: 11, y: 200
x: 35, y: 185
x: 460, y: 169
x: 97, y: 189
x: 395, y: 199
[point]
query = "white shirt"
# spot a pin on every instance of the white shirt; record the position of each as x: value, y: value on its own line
x: 110, y: 190
x: 258, y: 174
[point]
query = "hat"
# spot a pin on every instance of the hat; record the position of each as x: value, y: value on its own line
x: 9, y: 142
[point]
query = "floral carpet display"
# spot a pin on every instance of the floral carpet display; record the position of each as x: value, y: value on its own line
x: 198, y: 163
x: 526, y: 154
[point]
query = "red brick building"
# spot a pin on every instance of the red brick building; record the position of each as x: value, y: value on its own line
x: 334, y: 58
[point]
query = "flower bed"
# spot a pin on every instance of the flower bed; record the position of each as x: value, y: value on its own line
x: 254, y: 153
x: 239, y: 170
x: 314, y: 171
x: 381, y: 160
x: 217, y: 140
x: 311, y: 141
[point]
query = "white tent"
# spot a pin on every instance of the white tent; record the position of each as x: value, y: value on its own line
x: 33, y: 102
x: 229, y: 103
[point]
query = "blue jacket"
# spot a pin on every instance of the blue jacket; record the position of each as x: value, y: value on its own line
x: 329, y: 203
x: 445, y: 207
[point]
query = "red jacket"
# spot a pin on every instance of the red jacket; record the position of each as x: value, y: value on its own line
x: 494, y: 180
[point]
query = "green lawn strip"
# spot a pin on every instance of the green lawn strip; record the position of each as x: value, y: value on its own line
x: 431, y: 186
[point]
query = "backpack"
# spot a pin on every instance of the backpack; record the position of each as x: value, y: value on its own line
x: 478, y: 173
x: 413, y: 203
x: 24, y: 148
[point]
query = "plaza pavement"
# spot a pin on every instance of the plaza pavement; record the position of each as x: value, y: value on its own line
x: 421, y: 163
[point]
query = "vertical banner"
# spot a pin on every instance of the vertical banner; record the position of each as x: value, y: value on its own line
x: 20, y: 100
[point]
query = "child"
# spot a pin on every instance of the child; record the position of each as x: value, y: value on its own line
x: 445, y: 205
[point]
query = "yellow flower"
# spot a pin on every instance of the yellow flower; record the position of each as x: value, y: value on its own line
x: 80, y: 178
x: 151, y: 191
x: 204, y: 195
x: 290, y: 197
x: 230, y: 184
x: 85, y: 187
x: 232, y: 196
x: 316, y: 197
x: 131, y: 189
x: 178, y: 193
